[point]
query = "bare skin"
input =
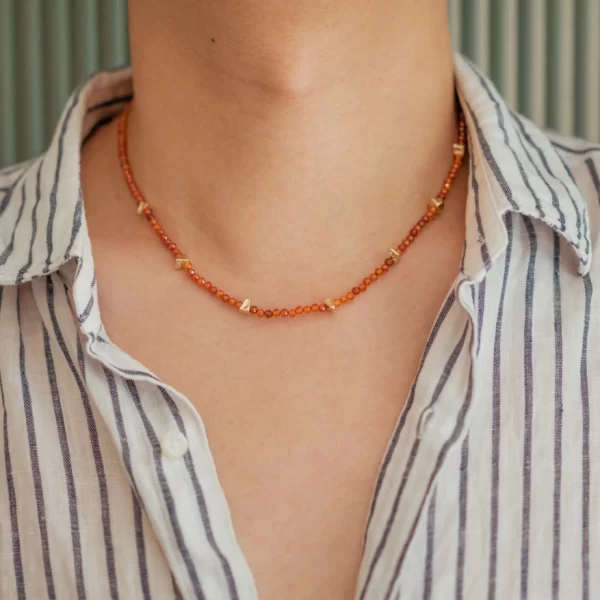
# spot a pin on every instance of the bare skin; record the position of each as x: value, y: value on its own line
x: 284, y: 157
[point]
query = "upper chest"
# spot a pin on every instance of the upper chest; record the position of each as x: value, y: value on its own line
x: 297, y: 417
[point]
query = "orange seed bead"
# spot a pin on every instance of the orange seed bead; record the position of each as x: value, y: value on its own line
x: 430, y: 215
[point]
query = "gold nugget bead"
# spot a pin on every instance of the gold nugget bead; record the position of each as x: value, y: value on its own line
x: 245, y: 307
x: 394, y: 254
x: 436, y: 204
x: 458, y: 149
x: 181, y: 262
x: 330, y: 304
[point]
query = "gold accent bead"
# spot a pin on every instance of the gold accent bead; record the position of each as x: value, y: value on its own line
x: 245, y: 307
x: 330, y: 304
x: 181, y: 262
x: 437, y: 204
x: 394, y: 254
x: 458, y: 149
x: 142, y: 206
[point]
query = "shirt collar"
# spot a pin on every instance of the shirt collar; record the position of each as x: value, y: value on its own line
x: 513, y: 167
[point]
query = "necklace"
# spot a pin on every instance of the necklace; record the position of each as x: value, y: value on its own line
x: 182, y: 262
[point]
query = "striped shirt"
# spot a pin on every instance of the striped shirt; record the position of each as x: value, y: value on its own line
x: 489, y: 487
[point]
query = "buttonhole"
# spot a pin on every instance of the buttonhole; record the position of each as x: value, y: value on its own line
x: 424, y: 421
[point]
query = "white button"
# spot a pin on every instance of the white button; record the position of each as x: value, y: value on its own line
x: 174, y: 444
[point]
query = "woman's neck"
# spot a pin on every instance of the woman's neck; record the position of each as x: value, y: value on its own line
x: 269, y: 128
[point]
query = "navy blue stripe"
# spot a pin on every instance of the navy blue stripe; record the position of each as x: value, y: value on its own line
x: 80, y: 359
x: 33, y: 457
x: 502, y: 125
x: 459, y: 427
x: 94, y: 442
x: 76, y: 224
x: 140, y: 544
x: 487, y: 153
x: 525, y: 135
x: 558, y: 410
x: 38, y: 196
x: 87, y: 311
x: 528, y: 408
x: 120, y: 424
x: 54, y: 191
x: 589, y: 163
x: 448, y: 303
x: 12, y: 503
x: 166, y: 490
x: 82, y: 318
x: 485, y: 255
x: 429, y: 549
x: 480, y: 312
x: 80, y: 261
x: 68, y: 468
x: 576, y: 206
x: 579, y: 151
x: 201, y: 501
x: 496, y: 425
x: 135, y: 495
x: 462, y: 518
x: 585, y: 445
x: 446, y: 372
x: 11, y: 245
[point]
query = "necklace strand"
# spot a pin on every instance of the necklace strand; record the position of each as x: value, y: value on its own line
x: 330, y: 305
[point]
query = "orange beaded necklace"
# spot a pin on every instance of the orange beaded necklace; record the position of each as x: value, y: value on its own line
x: 434, y: 207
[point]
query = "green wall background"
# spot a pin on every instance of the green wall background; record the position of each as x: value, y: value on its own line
x: 544, y: 55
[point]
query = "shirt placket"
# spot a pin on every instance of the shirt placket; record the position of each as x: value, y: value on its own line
x: 175, y: 476
x: 432, y: 424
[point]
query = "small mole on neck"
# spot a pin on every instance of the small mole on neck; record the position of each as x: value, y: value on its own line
x: 212, y: 40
